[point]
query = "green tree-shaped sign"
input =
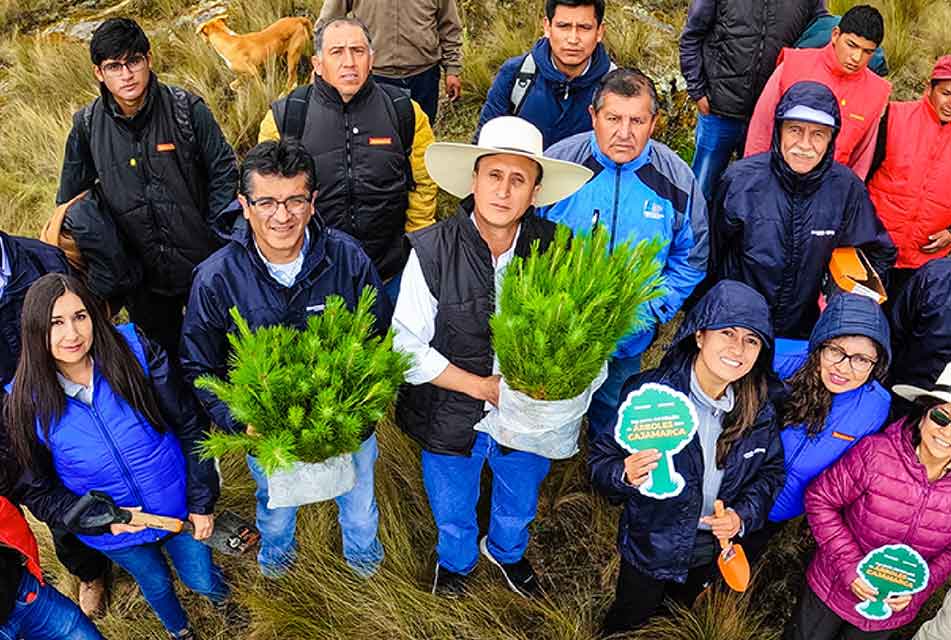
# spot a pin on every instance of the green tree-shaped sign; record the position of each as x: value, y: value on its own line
x: 895, y: 570
x: 657, y: 417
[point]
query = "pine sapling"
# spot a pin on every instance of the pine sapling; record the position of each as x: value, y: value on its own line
x: 310, y: 394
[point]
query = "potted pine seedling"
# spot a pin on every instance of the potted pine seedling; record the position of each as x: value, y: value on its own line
x: 560, y: 316
x: 312, y: 396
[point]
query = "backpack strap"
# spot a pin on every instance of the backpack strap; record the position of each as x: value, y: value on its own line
x: 295, y: 112
x: 349, y: 6
x: 524, y: 80
x: 402, y: 114
x: 182, y: 112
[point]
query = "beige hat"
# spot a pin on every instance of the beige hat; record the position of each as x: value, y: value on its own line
x: 450, y: 164
x: 941, y: 390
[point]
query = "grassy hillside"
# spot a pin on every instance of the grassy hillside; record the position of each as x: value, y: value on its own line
x: 46, y: 78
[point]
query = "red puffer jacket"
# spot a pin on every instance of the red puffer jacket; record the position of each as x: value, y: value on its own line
x: 15, y: 534
x: 877, y: 494
x: 912, y: 189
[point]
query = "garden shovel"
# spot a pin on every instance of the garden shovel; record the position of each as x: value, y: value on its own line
x: 732, y: 559
x: 231, y: 536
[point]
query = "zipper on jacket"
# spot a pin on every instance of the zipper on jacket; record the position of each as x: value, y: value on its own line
x: 798, y: 452
x: 617, y: 195
x: 921, y: 510
x: 115, y: 453
x: 349, y: 147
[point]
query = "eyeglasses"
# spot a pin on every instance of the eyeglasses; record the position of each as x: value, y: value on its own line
x: 134, y: 64
x: 295, y: 205
x: 939, y: 417
x: 859, y: 363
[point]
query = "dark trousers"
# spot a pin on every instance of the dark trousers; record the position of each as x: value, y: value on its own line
x: 159, y: 317
x: 638, y: 597
x: 813, y: 620
x: 423, y: 88
x: 897, y: 279
x: 83, y: 562
x: 754, y: 545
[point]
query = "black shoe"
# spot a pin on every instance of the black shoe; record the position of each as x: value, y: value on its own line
x: 235, y: 616
x: 448, y: 584
x: 519, y: 576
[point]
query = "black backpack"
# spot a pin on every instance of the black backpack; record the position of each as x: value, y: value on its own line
x: 182, y: 112
x: 399, y: 107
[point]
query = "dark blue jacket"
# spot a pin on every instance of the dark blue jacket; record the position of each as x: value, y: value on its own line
x: 775, y: 229
x: 109, y: 447
x: 657, y: 536
x: 921, y: 326
x: 556, y: 105
x: 236, y: 276
x: 28, y: 259
x: 853, y: 414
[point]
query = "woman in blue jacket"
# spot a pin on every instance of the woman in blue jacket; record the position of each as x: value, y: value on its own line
x: 97, y: 407
x: 833, y: 398
x: 720, y: 358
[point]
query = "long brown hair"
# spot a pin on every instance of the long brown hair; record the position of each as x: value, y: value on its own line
x: 809, y: 400
x: 750, y: 393
x: 37, y: 398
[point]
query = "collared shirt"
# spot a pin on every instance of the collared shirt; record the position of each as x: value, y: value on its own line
x: 710, y: 414
x: 5, y: 270
x: 77, y: 390
x: 286, y: 274
x: 414, y: 319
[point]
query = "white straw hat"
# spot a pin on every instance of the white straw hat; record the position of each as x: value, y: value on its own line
x: 450, y: 164
x: 941, y: 390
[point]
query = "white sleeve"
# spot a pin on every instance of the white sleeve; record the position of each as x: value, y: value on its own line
x: 414, y: 324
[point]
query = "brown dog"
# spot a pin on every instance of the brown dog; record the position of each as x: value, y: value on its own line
x: 247, y: 53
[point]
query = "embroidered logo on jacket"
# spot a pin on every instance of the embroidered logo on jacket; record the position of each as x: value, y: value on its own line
x: 843, y: 436
x: 653, y: 210
x: 381, y: 141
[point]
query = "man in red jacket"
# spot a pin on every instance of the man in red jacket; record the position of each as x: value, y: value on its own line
x: 842, y: 65
x: 911, y: 188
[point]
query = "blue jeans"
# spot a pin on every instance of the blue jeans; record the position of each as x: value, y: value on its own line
x: 452, y: 485
x: 192, y: 560
x: 423, y: 88
x: 602, y: 414
x: 717, y: 137
x: 392, y: 288
x: 356, y: 513
x: 43, y: 613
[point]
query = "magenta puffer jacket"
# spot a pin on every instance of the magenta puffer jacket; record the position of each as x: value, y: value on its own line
x: 877, y: 494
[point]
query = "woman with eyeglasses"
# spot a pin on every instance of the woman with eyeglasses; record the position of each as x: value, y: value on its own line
x: 99, y: 407
x: 892, y: 487
x: 833, y: 399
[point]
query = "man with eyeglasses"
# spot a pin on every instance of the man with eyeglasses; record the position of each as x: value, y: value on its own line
x: 280, y: 274
x: 163, y: 169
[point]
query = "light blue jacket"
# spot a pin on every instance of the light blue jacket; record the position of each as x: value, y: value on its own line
x: 653, y: 195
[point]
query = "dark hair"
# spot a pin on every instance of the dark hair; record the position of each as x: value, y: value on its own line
x: 37, y: 396
x: 864, y: 21
x: 286, y: 158
x: 935, y: 83
x: 809, y: 400
x: 351, y: 20
x: 551, y: 5
x: 750, y: 393
x: 626, y: 82
x: 919, y: 409
x: 538, y: 177
x: 117, y: 38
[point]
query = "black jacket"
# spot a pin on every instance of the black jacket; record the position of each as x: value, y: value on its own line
x: 728, y: 48
x: 921, y: 326
x: 658, y: 536
x: 775, y: 229
x: 235, y: 276
x: 29, y: 260
x: 458, y: 267
x: 163, y: 189
x: 362, y: 187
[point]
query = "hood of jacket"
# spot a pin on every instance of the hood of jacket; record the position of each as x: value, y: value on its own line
x: 849, y: 314
x: 815, y: 96
x: 600, y: 64
x: 728, y: 304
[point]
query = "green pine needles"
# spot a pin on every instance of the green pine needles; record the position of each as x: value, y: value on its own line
x: 310, y: 394
x: 562, y: 312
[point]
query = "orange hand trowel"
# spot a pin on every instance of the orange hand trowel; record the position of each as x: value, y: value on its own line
x: 732, y: 560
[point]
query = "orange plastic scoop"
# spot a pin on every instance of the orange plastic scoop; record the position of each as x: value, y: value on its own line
x: 732, y: 560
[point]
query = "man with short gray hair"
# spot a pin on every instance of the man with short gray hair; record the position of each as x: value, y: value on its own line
x: 368, y: 142
x: 640, y: 189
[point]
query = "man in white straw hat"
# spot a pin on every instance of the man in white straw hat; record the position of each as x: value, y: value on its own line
x: 442, y: 316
